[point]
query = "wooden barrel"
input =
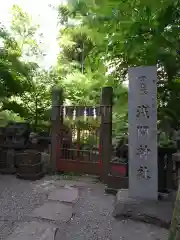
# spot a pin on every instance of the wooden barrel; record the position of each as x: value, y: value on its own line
x: 29, y: 165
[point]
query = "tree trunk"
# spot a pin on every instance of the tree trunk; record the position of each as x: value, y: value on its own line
x: 36, y: 114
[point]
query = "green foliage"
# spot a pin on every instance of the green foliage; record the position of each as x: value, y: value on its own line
x: 131, y: 33
x: 26, y: 32
x: 35, y: 98
x: 13, y: 72
x: 99, y: 41
x: 84, y: 63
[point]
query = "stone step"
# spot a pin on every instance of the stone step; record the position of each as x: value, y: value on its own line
x: 66, y: 194
x: 53, y: 211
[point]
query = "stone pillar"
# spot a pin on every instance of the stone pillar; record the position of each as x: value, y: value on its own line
x: 56, y: 121
x: 106, y: 131
x: 143, y: 167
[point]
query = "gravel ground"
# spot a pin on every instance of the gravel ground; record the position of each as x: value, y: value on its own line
x: 92, y: 219
x: 17, y: 198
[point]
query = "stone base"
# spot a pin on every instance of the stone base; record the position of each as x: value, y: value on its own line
x: 154, y: 212
x: 7, y: 170
x: 117, y: 182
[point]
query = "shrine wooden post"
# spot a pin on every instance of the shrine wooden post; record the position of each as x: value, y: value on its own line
x: 106, y: 131
x: 56, y: 121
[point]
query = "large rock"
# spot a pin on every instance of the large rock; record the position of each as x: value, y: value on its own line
x: 154, y: 212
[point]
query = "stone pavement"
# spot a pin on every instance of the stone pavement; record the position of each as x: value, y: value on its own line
x: 64, y: 209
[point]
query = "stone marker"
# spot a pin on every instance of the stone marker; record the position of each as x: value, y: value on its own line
x: 143, y: 168
x: 68, y: 194
x: 53, y: 211
x: 33, y: 231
